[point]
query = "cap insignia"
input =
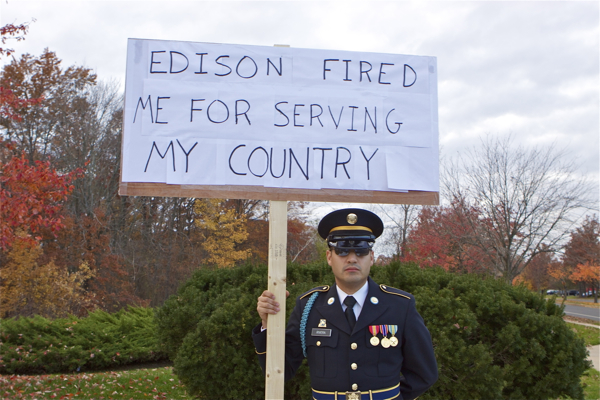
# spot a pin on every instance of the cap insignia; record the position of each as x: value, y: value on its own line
x: 352, y: 218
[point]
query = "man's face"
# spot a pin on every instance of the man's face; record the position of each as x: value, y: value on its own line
x: 351, y: 271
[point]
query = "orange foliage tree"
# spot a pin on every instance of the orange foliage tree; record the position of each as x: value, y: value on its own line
x: 29, y: 288
x: 11, y: 103
x: 32, y: 199
x: 37, y: 129
x: 582, y: 253
x: 561, y: 273
x: 589, y: 274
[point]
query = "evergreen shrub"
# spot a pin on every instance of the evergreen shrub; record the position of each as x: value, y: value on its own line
x: 98, y: 341
x: 206, y: 327
x: 492, y: 340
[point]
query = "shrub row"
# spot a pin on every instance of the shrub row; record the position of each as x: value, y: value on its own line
x: 491, y: 340
x: 99, y: 341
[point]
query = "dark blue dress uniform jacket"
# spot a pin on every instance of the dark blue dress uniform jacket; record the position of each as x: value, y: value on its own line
x: 411, y: 362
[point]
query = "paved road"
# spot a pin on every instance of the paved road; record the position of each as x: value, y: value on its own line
x: 583, y: 312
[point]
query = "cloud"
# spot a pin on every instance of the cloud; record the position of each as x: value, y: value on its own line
x: 530, y: 69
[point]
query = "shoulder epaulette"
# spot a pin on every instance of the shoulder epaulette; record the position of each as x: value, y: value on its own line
x: 317, y: 289
x: 391, y: 290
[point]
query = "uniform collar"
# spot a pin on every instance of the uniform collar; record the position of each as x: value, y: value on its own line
x: 359, y: 296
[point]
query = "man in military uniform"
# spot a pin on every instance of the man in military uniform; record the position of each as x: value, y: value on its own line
x: 362, y: 340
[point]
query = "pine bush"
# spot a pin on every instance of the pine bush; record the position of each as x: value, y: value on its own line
x: 492, y: 340
x: 98, y: 341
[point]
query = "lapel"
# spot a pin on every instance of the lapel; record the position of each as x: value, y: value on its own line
x: 370, y: 311
x: 335, y: 316
x: 333, y: 313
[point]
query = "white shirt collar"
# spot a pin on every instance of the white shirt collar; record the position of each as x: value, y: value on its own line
x: 360, y: 296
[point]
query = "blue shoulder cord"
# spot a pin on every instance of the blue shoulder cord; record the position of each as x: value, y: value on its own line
x: 304, y: 319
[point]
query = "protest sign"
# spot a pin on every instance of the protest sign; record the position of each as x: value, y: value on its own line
x: 277, y: 123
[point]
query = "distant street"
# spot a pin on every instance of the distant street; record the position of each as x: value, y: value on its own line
x: 583, y: 312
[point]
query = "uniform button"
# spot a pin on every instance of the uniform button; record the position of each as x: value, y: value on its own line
x: 318, y: 343
x: 353, y: 366
x: 353, y: 346
x: 354, y: 387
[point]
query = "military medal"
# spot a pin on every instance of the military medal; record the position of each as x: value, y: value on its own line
x: 385, y: 342
x: 393, y: 339
x: 374, y: 329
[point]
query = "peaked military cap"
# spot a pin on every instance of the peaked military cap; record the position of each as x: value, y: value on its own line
x: 350, y: 223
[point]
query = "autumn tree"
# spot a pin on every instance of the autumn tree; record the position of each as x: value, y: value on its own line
x: 10, y: 103
x: 29, y: 288
x: 157, y: 240
x: 224, y: 230
x: 589, y: 275
x: 561, y: 277
x: 61, y: 89
x: 584, y: 243
x: 32, y: 197
x: 441, y: 237
x: 536, y: 274
x: 582, y: 253
x: 528, y: 199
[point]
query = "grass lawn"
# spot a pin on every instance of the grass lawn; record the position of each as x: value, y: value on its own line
x: 591, y: 378
x: 590, y: 335
x: 161, y: 383
x: 154, y: 383
x: 591, y: 384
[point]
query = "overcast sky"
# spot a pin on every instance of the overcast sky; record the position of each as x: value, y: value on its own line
x: 530, y: 69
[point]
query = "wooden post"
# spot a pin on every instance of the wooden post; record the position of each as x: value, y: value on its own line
x: 275, y: 368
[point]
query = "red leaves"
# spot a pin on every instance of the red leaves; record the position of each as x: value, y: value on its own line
x: 31, y: 197
x: 442, y: 238
x: 10, y: 104
x: 11, y: 31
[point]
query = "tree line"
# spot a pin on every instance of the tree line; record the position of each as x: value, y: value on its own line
x: 519, y: 214
x: 70, y: 244
x: 68, y: 239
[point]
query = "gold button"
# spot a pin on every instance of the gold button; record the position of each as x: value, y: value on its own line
x: 318, y: 343
x: 354, y: 387
x: 353, y: 366
x: 353, y: 346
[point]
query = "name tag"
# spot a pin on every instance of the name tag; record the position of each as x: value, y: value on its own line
x: 321, y: 332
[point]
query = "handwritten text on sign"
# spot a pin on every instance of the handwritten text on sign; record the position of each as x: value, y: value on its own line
x: 199, y: 113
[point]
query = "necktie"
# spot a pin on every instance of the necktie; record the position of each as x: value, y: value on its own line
x: 350, y: 301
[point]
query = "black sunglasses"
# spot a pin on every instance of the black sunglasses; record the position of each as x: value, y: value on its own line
x: 343, y: 252
x: 343, y: 247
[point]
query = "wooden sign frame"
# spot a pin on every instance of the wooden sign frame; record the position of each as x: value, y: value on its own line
x: 278, y: 194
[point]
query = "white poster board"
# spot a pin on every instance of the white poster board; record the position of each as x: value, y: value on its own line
x: 278, y: 120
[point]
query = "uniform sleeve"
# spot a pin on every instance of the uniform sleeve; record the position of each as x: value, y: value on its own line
x: 293, y: 346
x: 260, y: 345
x: 419, y: 367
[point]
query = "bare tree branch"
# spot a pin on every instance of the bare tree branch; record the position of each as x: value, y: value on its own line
x: 527, y: 198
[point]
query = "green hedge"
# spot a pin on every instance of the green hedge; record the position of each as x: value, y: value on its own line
x: 492, y: 341
x: 206, y: 328
x: 98, y: 341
